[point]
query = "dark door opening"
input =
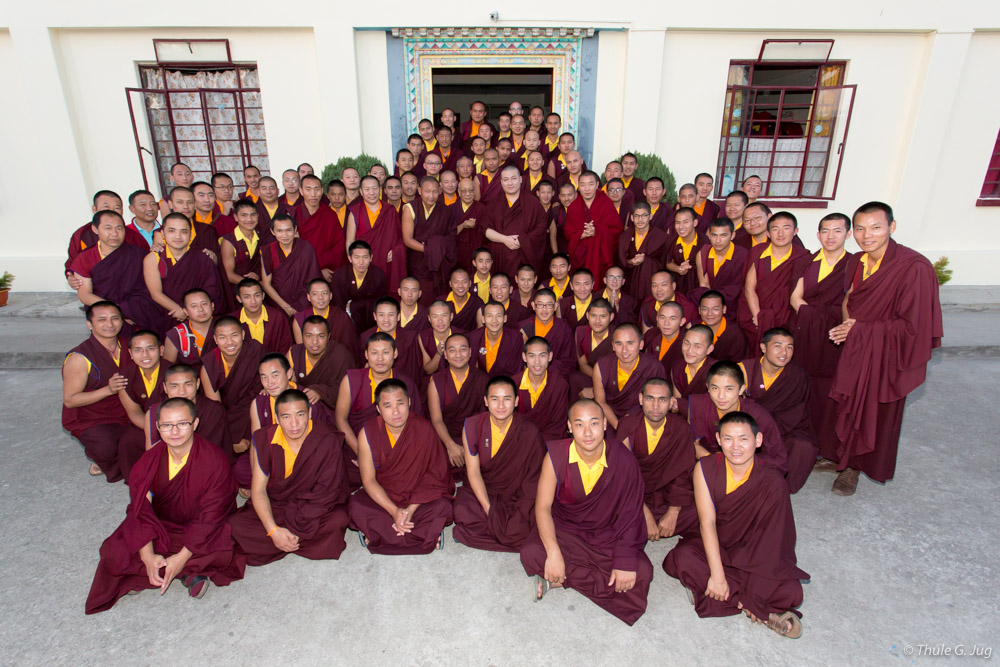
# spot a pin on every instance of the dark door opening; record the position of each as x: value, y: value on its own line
x: 497, y: 87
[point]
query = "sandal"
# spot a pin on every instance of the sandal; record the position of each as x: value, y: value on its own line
x: 440, y: 544
x: 95, y: 470
x: 245, y: 493
x: 542, y: 586
x: 364, y: 542
x: 787, y: 625
x: 197, y: 585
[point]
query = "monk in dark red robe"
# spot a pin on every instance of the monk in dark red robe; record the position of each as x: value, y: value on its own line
x: 706, y: 209
x: 428, y: 234
x: 893, y: 322
x: 181, y: 381
x: 268, y: 325
x: 542, y: 397
x: 341, y: 325
x: 468, y: 223
x: 690, y: 370
x: 299, y: 498
x: 592, y: 343
x: 592, y: 227
x: 554, y: 330
x: 319, y: 363
x: 664, y: 448
x: 186, y: 342
x: 515, y: 226
x: 663, y: 289
x: 665, y: 340
x: 229, y: 376
x: 175, y: 527
x: 744, y: 559
x: 320, y: 226
x: 454, y: 394
x: 93, y: 374
x: 406, y: 500
x: 409, y: 359
x: 727, y: 338
x: 289, y: 265
x: 642, y: 251
x: 781, y: 387
x: 590, y: 529
x: 503, y: 454
x: 240, y: 248
x: 721, y: 266
x: 619, y: 377
x: 575, y: 303
x: 86, y: 237
x: 378, y: 225
x: 465, y: 304
x: 682, y: 252
x: 170, y: 274
x: 358, y: 285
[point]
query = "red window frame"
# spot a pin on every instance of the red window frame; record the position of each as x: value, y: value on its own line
x: 990, y: 193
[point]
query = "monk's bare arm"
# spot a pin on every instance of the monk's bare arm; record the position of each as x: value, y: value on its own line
x: 206, y: 386
x: 350, y: 230
x: 265, y: 282
x: 718, y: 587
x: 282, y: 538
x: 838, y: 334
x: 584, y: 366
x: 702, y: 278
x: 477, y: 189
x: 750, y: 292
x: 475, y: 476
x: 372, y: 487
x: 454, y: 450
x: 85, y: 293
x: 431, y: 364
x: 147, y: 429
x: 798, y: 293
x: 229, y: 261
x: 75, y: 373
x: 407, y: 225
x: 151, y: 275
x: 342, y: 411
x: 555, y: 567
x: 170, y: 351
x: 599, y: 396
x: 132, y: 409
x: 553, y: 237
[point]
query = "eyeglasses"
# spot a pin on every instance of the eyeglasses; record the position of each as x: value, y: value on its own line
x: 614, y: 277
x: 180, y: 426
x: 545, y: 306
x: 616, y: 189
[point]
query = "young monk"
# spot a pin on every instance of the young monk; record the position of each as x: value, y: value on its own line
x: 318, y: 363
x: 342, y: 328
x: 503, y: 459
x: 633, y: 183
x: 482, y: 263
x: 689, y: 372
x: 593, y: 342
x: 170, y: 274
x: 267, y: 325
x: 687, y: 195
x: 240, y: 248
x: 663, y: 446
x: 464, y: 304
x: 727, y: 338
x: 351, y: 178
x: 449, y: 154
x: 590, y: 529
x: 432, y: 339
x: 251, y: 177
x: 406, y: 500
x: 320, y: 226
x: 378, y: 226
x: 336, y: 192
x: 181, y: 381
x: 782, y: 388
x: 721, y: 265
x: 619, y: 378
x: 664, y: 340
x: 543, y: 397
x: 573, y: 306
x: 186, y: 342
x: 768, y: 285
x: 892, y: 322
x: 706, y: 209
x: 526, y: 280
x: 409, y: 360
x: 501, y: 291
x: 554, y: 329
x: 93, y: 375
x: 358, y: 284
x: 625, y: 308
x: 559, y: 272
x: 496, y: 348
x: 660, y: 211
x: 276, y: 376
x: 736, y: 203
x: 299, y: 490
x: 175, y: 525
x: 642, y: 252
x: 453, y: 395
x: 287, y: 266
x: 663, y: 290
x: 682, y: 257
x: 752, y: 185
x: 592, y: 227
x: 726, y: 393
x: 744, y: 559
x: 755, y: 217
x: 412, y: 313
x: 514, y: 225
x: 429, y: 240
x: 558, y: 243
x: 143, y: 377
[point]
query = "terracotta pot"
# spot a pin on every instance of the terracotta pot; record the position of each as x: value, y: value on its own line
x: 3, y: 297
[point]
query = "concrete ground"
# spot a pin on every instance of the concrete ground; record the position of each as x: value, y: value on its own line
x: 895, y: 567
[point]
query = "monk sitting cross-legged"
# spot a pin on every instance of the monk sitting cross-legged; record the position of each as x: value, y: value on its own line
x: 406, y: 500
x: 454, y: 395
x: 590, y: 529
x: 503, y: 458
x: 299, y: 490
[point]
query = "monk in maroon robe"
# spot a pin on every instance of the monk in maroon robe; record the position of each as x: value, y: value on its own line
x: 229, y: 376
x: 727, y: 337
x: 170, y: 274
x: 454, y: 394
x: 515, y: 226
x: 428, y: 234
x: 358, y: 285
x: 181, y: 494
x: 664, y: 448
x: 590, y: 529
x: 86, y: 237
x: 744, y: 559
x: 341, y: 325
x: 268, y: 325
x: 690, y: 370
x: 542, y: 397
x: 682, y: 252
x: 619, y: 377
x: 575, y: 304
x: 468, y: 223
x: 721, y: 266
x: 592, y: 343
x: 706, y: 209
x: 503, y: 455
x: 892, y: 323
x: 186, y: 342
x: 663, y: 289
x: 378, y: 225
x: 319, y: 363
x: 554, y: 330
x: 592, y: 227
x: 664, y: 341
x: 495, y: 347
x: 181, y: 381
x: 406, y: 500
x: 299, y: 498
x: 465, y: 304
x: 320, y: 226
x: 289, y: 265
x: 642, y: 251
x: 93, y: 374
x: 240, y: 248
x: 781, y: 387
x: 409, y: 359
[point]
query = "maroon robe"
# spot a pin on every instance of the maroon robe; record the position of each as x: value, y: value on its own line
x: 708, y: 214
x: 456, y: 407
x: 384, y: 237
x: 704, y: 419
x: 598, y: 532
x: 528, y: 221
x: 697, y: 385
x: 192, y: 270
x: 311, y: 503
x: 626, y: 309
x: 663, y: 218
x: 666, y: 473
x: 362, y: 408
x: 561, y: 339
x: 415, y: 470
x: 649, y: 311
x: 100, y: 426
x: 277, y: 332
x: 550, y: 411
x: 774, y: 291
x: 511, y: 481
x: 433, y: 266
x: 449, y: 162
x: 729, y: 281
x: 409, y: 361
x: 468, y: 239
x: 687, y: 282
x: 625, y: 400
x: 325, y: 231
x: 136, y: 388
x: 466, y: 319
x: 556, y: 216
x: 489, y: 188
x: 787, y: 401
x: 654, y: 247
x: 266, y: 417
x: 567, y: 311
x: 326, y: 375
x: 291, y: 274
x: 212, y: 424
x: 508, y: 361
x: 418, y: 322
x: 222, y: 224
x: 430, y: 344
x: 342, y: 329
x: 756, y: 532
x: 189, y: 511
x: 238, y: 388
x: 583, y: 346
x: 85, y: 238
x: 730, y: 344
x: 652, y: 343
x: 597, y: 252
x: 897, y: 316
x: 183, y: 338
x: 359, y: 300
x: 516, y: 312
x: 246, y: 262
x: 465, y: 134
x: 636, y: 186
x: 811, y: 327
x: 119, y: 278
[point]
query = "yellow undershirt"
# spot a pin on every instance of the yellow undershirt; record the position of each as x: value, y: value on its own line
x: 458, y: 308
x: 556, y: 288
x: 251, y: 242
x: 687, y: 247
x: 639, y: 238
x: 483, y: 287
x: 174, y: 468
x: 582, y: 306
x: 775, y: 262
x: 717, y: 264
x: 826, y: 269
x: 458, y: 383
x: 492, y: 350
x: 689, y: 374
x: 731, y: 484
x: 589, y: 475
x: 374, y: 385
x: 665, y: 344
x: 405, y: 319
x: 533, y: 393
x: 653, y: 435
x: 256, y: 328
x: 497, y: 436
x: 623, y: 375
x: 290, y: 456
x: 869, y: 272
x: 150, y: 382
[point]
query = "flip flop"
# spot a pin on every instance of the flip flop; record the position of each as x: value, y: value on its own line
x: 690, y: 595
x: 440, y: 544
x: 778, y: 623
x: 361, y: 536
x: 91, y: 470
x: 197, y: 586
x: 546, y: 587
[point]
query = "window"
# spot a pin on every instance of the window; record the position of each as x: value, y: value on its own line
x: 785, y: 121
x: 990, y: 194
x: 207, y: 115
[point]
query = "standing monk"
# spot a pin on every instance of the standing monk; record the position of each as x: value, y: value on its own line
x: 682, y: 255
x: 320, y: 226
x: 642, y: 251
x: 179, y: 268
x: 543, y: 397
x: 429, y: 237
x: 175, y: 526
x: 721, y: 266
x: 590, y: 529
x: 406, y: 500
x: 291, y: 182
x: 892, y: 322
x: 266, y: 324
x: 727, y: 338
x: 358, y: 285
x: 633, y: 183
x: 299, y: 490
x: 619, y: 377
x: 288, y: 266
x: 706, y: 209
x: 515, y: 225
x: 468, y: 223
x: 503, y: 459
x: 378, y: 225
x: 240, y: 248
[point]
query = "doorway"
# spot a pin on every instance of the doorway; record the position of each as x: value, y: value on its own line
x: 458, y: 87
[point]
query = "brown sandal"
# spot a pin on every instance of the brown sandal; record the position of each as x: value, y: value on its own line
x: 846, y: 483
x: 787, y: 625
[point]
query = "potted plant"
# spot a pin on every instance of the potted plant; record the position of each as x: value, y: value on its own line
x: 6, y: 280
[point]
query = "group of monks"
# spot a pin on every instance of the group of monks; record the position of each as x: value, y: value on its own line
x: 592, y: 365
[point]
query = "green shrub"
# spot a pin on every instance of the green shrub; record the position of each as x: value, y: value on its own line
x: 942, y: 270
x: 6, y: 280
x: 651, y: 165
x: 363, y: 163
